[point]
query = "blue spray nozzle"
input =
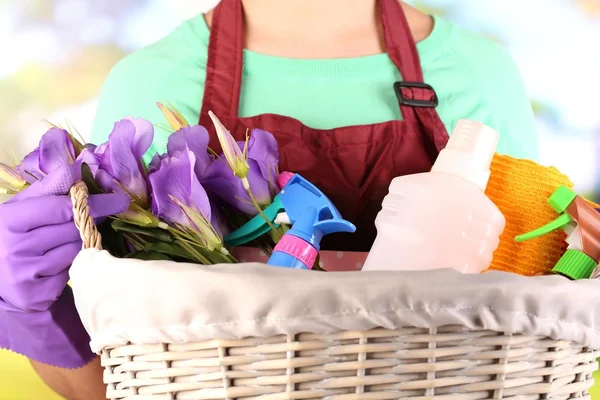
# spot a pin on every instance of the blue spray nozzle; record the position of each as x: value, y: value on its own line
x: 310, y: 212
x: 305, y: 203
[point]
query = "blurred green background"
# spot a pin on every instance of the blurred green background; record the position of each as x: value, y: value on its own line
x: 57, y: 53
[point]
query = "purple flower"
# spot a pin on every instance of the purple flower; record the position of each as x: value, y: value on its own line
x: 30, y: 167
x: 179, y: 198
x: 195, y: 139
x: 118, y: 164
x: 263, y: 159
x: 155, y: 162
x: 91, y: 156
x: 190, y: 138
x: 175, y: 179
x: 55, y: 150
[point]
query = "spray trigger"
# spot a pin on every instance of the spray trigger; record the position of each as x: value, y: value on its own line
x: 559, y: 223
x: 257, y: 226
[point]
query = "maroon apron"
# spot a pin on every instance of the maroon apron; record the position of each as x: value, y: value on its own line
x: 352, y: 165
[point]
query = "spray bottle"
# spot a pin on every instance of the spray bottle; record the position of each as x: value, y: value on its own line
x: 310, y: 213
x: 442, y: 218
x: 581, y: 222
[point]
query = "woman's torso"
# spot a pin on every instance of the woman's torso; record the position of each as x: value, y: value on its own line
x: 474, y: 78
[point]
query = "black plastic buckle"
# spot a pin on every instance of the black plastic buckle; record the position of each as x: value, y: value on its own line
x: 412, y: 102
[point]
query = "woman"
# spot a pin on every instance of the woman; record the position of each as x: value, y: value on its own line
x: 326, y: 64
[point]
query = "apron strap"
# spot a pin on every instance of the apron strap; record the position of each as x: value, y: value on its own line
x: 225, y: 62
x: 417, y: 99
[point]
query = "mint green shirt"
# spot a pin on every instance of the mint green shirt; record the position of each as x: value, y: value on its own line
x: 474, y: 78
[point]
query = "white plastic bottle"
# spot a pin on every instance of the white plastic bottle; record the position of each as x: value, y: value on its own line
x: 442, y: 218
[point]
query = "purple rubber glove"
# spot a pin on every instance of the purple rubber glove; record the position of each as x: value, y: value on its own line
x: 38, y: 243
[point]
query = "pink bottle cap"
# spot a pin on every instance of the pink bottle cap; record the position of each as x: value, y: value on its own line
x: 299, y: 249
x: 284, y: 178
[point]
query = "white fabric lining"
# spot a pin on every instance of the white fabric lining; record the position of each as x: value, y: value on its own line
x: 131, y: 301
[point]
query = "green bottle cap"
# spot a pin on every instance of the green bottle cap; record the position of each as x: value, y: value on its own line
x: 575, y: 265
x: 561, y: 199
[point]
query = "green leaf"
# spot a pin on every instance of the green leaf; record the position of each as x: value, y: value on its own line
x: 169, y: 249
x: 215, y: 257
x: 155, y: 233
x: 88, y: 178
x: 148, y: 256
x: 112, y: 240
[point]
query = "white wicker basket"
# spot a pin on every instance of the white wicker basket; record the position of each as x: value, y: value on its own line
x: 445, y: 362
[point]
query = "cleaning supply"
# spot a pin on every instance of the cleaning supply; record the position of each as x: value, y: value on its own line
x: 518, y: 187
x: 581, y: 223
x: 442, y: 218
x: 311, y: 216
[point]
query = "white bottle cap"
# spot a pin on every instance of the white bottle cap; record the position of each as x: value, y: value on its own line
x: 469, y: 152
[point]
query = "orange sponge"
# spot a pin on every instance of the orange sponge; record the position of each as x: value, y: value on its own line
x: 520, y: 188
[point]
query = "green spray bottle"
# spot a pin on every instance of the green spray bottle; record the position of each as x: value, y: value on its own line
x: 581, y: 223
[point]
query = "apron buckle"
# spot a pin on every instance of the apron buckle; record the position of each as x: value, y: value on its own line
x: 398, y: 86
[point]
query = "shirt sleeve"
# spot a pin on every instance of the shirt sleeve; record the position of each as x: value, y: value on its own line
x: 127, y: 92
x: 507, y: 104
x: 166, y: 72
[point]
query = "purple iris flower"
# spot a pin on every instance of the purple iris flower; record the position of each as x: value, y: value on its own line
x: 118, y: 164
x: 91, y: 155
x: 189, y: 138
x: 55, y: 151
x: 175, y: 181
x: 155, y: 162
x: 189, y: 145
x: 195, y: 139
x: 263, y: 159
x: 178, y: 196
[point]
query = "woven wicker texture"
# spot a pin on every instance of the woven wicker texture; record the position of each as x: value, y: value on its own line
x: 442, y: 363
x: 520, y: 189
x: 378, y: 364
x: 83, y: 220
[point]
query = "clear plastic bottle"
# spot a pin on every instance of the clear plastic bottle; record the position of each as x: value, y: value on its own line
x: 442, y: 218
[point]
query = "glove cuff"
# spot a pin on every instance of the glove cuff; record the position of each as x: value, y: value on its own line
x: 55, y: 337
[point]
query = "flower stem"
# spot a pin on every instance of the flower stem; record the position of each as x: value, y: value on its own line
x: 190, y: 249
x: 195, y: 247
x: 246, y: 184
x: 188, y: 245
x: 135, y: 241
x: 162, y: 225
x: 232, y: 259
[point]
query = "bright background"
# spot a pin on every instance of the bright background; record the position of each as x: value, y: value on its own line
x: 57, y: 53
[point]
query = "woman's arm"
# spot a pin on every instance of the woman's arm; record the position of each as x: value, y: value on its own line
x: 167, y: 72
x: 506, y: 105
x: 132, y: 89
x: 74, y: 384
x: 511, y: 112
